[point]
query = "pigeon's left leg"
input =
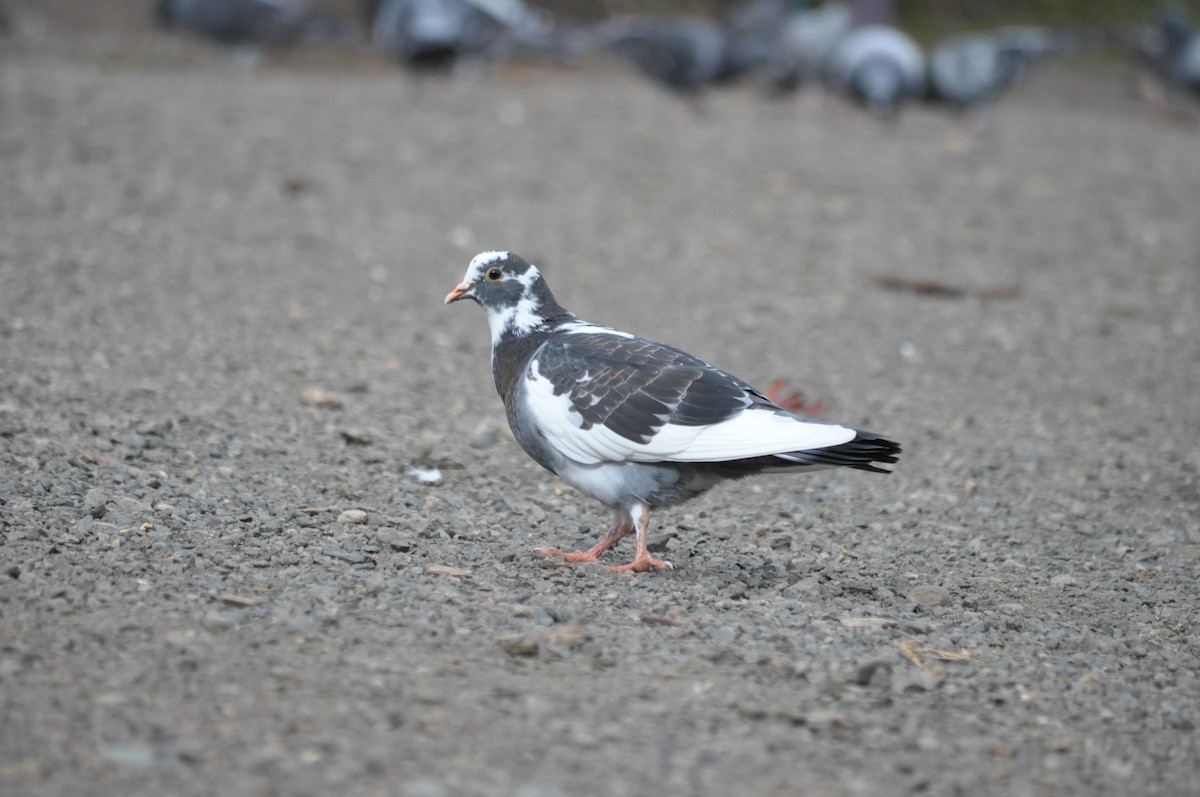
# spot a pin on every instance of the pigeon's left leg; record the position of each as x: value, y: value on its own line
x: 642, y: 560
x: 622, y: 525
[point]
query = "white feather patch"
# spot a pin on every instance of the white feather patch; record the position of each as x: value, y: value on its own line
x: 751, y: 433
x: 585, y: 328
x: 483, y: 259
x: 521, y: 319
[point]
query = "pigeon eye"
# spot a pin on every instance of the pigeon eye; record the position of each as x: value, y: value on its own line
x: 494, y: 275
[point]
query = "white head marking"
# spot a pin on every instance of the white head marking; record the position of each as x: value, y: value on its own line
x: 482, y: 260
x: 517, y: 319
x: 520, y: 319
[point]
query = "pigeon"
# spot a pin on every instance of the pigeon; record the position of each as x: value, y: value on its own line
x: 437, y: 34
x: 248, y: 22
x: 877, y: 66
x: 969, y: 70
x: 431, y: 34
x: 635, y: 424
x: 1171, y: 49
x: 804, y: 40
x: 685, y: 53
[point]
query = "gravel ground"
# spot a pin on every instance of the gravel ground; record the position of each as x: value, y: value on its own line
x: 225, y: 368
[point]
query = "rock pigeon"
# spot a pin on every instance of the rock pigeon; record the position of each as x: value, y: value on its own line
x: 683, y: 54
x: 969, y: 70
x: 635, y: 424
x: 877, y: 66
x: 1171, y: 49
x: 437, y: 34
x: 805, y: 38
x: 248, y: 22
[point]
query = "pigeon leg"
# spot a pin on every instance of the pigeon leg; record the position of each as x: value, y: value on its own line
x: 642, y: 560
x: 622, y: 525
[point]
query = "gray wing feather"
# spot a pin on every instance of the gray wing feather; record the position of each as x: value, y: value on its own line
x: 634, y: 386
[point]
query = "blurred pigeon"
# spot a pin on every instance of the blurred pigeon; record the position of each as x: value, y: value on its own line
x: 877, y: 66
x: 805, y: 40
x: 683, y: 53
x: 802, y: 37
x: 1171, y: 50
x: 969, y: 70
x: 437, y: 33
x: 242, y: 22
x: 635, y: 424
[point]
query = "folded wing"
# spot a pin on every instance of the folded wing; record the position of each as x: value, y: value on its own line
x: 607, y: 397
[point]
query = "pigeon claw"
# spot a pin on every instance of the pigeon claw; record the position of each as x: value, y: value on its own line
x: 590, y: 555
x: 620, y: 528
x: 642, y: 564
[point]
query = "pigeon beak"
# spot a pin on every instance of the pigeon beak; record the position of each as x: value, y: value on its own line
x: 460, y: 292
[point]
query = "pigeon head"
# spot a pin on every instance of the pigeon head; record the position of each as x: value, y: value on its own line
x: 511, y: 289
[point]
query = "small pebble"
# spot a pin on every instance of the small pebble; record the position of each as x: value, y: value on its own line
x: 357, y: 437
x: 425, y: 475
x: 518, y: 645
x: 929, y: 595
x: 353, y: 557
x: 128, y: 755
x: 320, y: 397
x: 447, y: 570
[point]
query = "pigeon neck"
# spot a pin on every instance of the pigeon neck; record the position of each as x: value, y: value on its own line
x: 535, y: 311
x: 511, y: 354
x: 519, y: 330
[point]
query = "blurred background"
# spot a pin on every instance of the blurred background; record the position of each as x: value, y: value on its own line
x: 226, y: 228
x: 879, y: 54
x: 928, y: 17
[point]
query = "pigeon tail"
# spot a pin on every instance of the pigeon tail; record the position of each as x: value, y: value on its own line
x: 861, y: 453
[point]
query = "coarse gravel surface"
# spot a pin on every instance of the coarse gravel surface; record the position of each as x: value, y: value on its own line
x: 264, y: 530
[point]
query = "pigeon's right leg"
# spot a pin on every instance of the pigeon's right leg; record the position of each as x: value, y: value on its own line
x: 622, y: 526
x: 642, y: 560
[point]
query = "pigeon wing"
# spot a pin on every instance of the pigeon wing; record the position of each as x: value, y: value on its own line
x: 607, y: 397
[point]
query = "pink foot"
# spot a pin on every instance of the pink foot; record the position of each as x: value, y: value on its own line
x: 620, y: 528
x: 590, y: 555
x: 643, y: 564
